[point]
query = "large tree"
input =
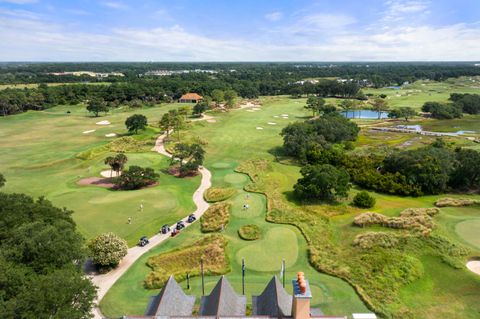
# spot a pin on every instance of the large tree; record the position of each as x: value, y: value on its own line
x: 41, y: 255
x: 428, y: 168
x: 230, y: 97
x: 136, y: 177
x: 2, y: 180
x: 322, y: 182
x: 402, y: 112
x: 467, y: 169
x: 136, y: 122
x: 188, y: 157
x: 315, y: 104
x: 379, y: 105
x: 96, y: 106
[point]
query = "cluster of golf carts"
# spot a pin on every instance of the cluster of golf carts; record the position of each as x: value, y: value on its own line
x: 167, y: 229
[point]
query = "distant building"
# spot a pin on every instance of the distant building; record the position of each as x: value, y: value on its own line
x: 224, y: 302
x: 190, y: 98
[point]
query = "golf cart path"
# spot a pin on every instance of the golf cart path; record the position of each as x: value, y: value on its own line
x: 105, y: 281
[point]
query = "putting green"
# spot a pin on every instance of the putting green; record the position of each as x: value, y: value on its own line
x: 468, y: 230
x: 280, y: 243
x: 221, y: 165
x: 256, y: 203
x: 235, y: 178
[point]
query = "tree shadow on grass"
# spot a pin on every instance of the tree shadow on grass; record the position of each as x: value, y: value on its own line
x: 293, y: 198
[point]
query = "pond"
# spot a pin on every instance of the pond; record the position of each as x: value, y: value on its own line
x: 364, y: 114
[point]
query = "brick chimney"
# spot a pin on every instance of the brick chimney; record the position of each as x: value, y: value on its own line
x: 301, y: 297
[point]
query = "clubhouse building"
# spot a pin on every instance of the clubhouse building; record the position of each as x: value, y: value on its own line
x: 190, y: 98
x: 223, y: 302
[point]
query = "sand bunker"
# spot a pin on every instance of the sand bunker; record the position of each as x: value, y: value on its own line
x: 211, y: 121
x: 275, y: 116
x: 88, y: 132
x: 110, y: 135
x: 256, y: 109
x: 103, y: 123
x: 284, y: 115
x: 259, y: 128
x: 97, y: 181
x: 474, y: 266
x: 272, y: 123
x: 109, y: 173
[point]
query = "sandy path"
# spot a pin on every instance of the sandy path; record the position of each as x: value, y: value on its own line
x: 105, y: 282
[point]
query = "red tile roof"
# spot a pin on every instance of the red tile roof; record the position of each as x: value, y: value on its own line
x: 191, y: 96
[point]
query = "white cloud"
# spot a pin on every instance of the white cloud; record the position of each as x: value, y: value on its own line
x: 274, y: 16
x: 115, y: 5
x: 400, y: 9
x: 27, y: 37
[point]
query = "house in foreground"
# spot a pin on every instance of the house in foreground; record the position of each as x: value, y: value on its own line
x: 224, y: 302
x: 190, y: 98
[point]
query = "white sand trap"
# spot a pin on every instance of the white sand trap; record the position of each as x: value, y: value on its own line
x: 284, y: 114
x: 88, y: 132
x: 256, y: 109
x: 275, y: 116
x: 259, y: 128
x: 474, y: 266
x: 272, y: 123
x: 109, y: 173
x: 211, y: 121
x: 103, y: 123
x: 110, y: 135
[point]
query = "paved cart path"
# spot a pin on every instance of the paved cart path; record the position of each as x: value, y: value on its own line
x: 105, y: 281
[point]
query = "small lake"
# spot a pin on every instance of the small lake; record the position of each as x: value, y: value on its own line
x: 364, y: 114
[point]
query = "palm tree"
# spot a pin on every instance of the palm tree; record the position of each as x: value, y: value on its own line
x: 110, y: 161
x: 120, y: 161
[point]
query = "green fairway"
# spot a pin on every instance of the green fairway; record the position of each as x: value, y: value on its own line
x: 468, y: 230
x: 40, y: 157
x: 262, y: 257
x: 279, y: 244
x: 47, y: 152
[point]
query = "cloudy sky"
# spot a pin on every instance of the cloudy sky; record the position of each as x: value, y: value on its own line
x: 239, y: 30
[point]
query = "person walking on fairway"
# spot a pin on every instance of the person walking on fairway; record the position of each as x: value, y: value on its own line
x: 129, y: 220
x: 141, y: 207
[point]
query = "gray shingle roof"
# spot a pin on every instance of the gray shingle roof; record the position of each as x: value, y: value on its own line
x: 171, y: 301
x: 223, y: 301
x: 274, y: 301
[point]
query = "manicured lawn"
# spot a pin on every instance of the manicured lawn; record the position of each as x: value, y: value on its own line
x: 40, y: 157
x: 263, y: 257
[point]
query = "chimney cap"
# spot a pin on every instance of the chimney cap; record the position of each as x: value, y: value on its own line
x: 297, y: 292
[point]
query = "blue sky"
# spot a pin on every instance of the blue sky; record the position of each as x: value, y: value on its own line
x: 239, y: 30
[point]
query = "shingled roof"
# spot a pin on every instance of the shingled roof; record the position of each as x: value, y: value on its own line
x: 191, y: 96
x: 171, y: 301
x: 223, y: 301
x: 274, y: 301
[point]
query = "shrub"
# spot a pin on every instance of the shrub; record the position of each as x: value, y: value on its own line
x: 376, y: 239
x: 127, y: 144
x: 216, y: 217
x: 417, y: 219
x: 107, y: 250
x: 217, y: 194
x: 187, y: 259
x: 456, y: 202
x: 364, y: 200
x: 249, y: 232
